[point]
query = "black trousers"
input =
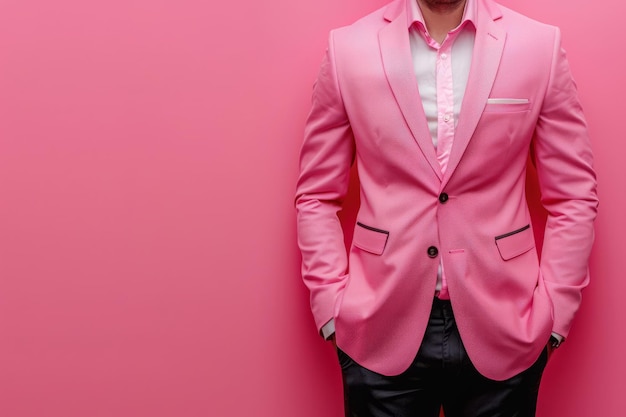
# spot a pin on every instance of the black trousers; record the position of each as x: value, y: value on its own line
x: 440, y: 376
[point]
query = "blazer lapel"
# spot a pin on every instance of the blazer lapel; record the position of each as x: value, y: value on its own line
x: 398, y: 66
x: 488, y: 47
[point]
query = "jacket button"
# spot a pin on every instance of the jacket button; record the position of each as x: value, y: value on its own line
x: 433, y: 252
x: 443, y: 197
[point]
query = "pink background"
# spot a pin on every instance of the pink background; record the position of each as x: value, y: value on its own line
x: 148, y: 156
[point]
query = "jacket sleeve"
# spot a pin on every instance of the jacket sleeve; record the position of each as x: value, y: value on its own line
x: 325, y: 160
x: 567, y: 183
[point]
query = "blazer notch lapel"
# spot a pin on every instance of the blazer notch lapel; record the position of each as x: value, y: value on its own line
x: 394, y: 10
x: 398, y: 66
x: 488, y: 48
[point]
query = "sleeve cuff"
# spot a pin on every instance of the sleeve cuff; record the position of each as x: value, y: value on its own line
x: 555, y: 335
x: 328, y: 329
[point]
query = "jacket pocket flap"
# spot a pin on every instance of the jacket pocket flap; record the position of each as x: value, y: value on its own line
x: 515, y: 243
x: 370, y: 239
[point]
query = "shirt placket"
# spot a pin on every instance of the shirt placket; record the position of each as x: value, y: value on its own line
x: 445, y: 103
x: 445, y: 118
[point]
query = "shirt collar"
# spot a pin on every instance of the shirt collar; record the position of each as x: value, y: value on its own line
x: 414, y: 14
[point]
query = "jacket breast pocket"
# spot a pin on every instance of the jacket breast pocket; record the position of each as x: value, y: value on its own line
x: 515, y: 243
x: 370, y: 239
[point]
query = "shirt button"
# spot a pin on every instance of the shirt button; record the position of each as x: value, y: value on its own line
x: 444, y: 56
x: 446, y: 118
x: 443, y: 197
x: 433, y: 252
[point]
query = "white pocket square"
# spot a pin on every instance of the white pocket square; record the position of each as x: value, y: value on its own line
x: 508, y: 101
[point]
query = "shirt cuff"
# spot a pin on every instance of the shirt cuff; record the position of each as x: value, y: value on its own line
x: 328, y: 329
x: 556, y: 336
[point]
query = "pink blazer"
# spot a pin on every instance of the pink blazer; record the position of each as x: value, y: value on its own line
x: 366, y: 108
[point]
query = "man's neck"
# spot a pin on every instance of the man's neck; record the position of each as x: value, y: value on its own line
x: 441, y: 16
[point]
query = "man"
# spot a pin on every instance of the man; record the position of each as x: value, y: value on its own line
x: 442, y: 299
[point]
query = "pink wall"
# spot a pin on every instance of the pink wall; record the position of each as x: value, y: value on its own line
x: 148, y: 155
